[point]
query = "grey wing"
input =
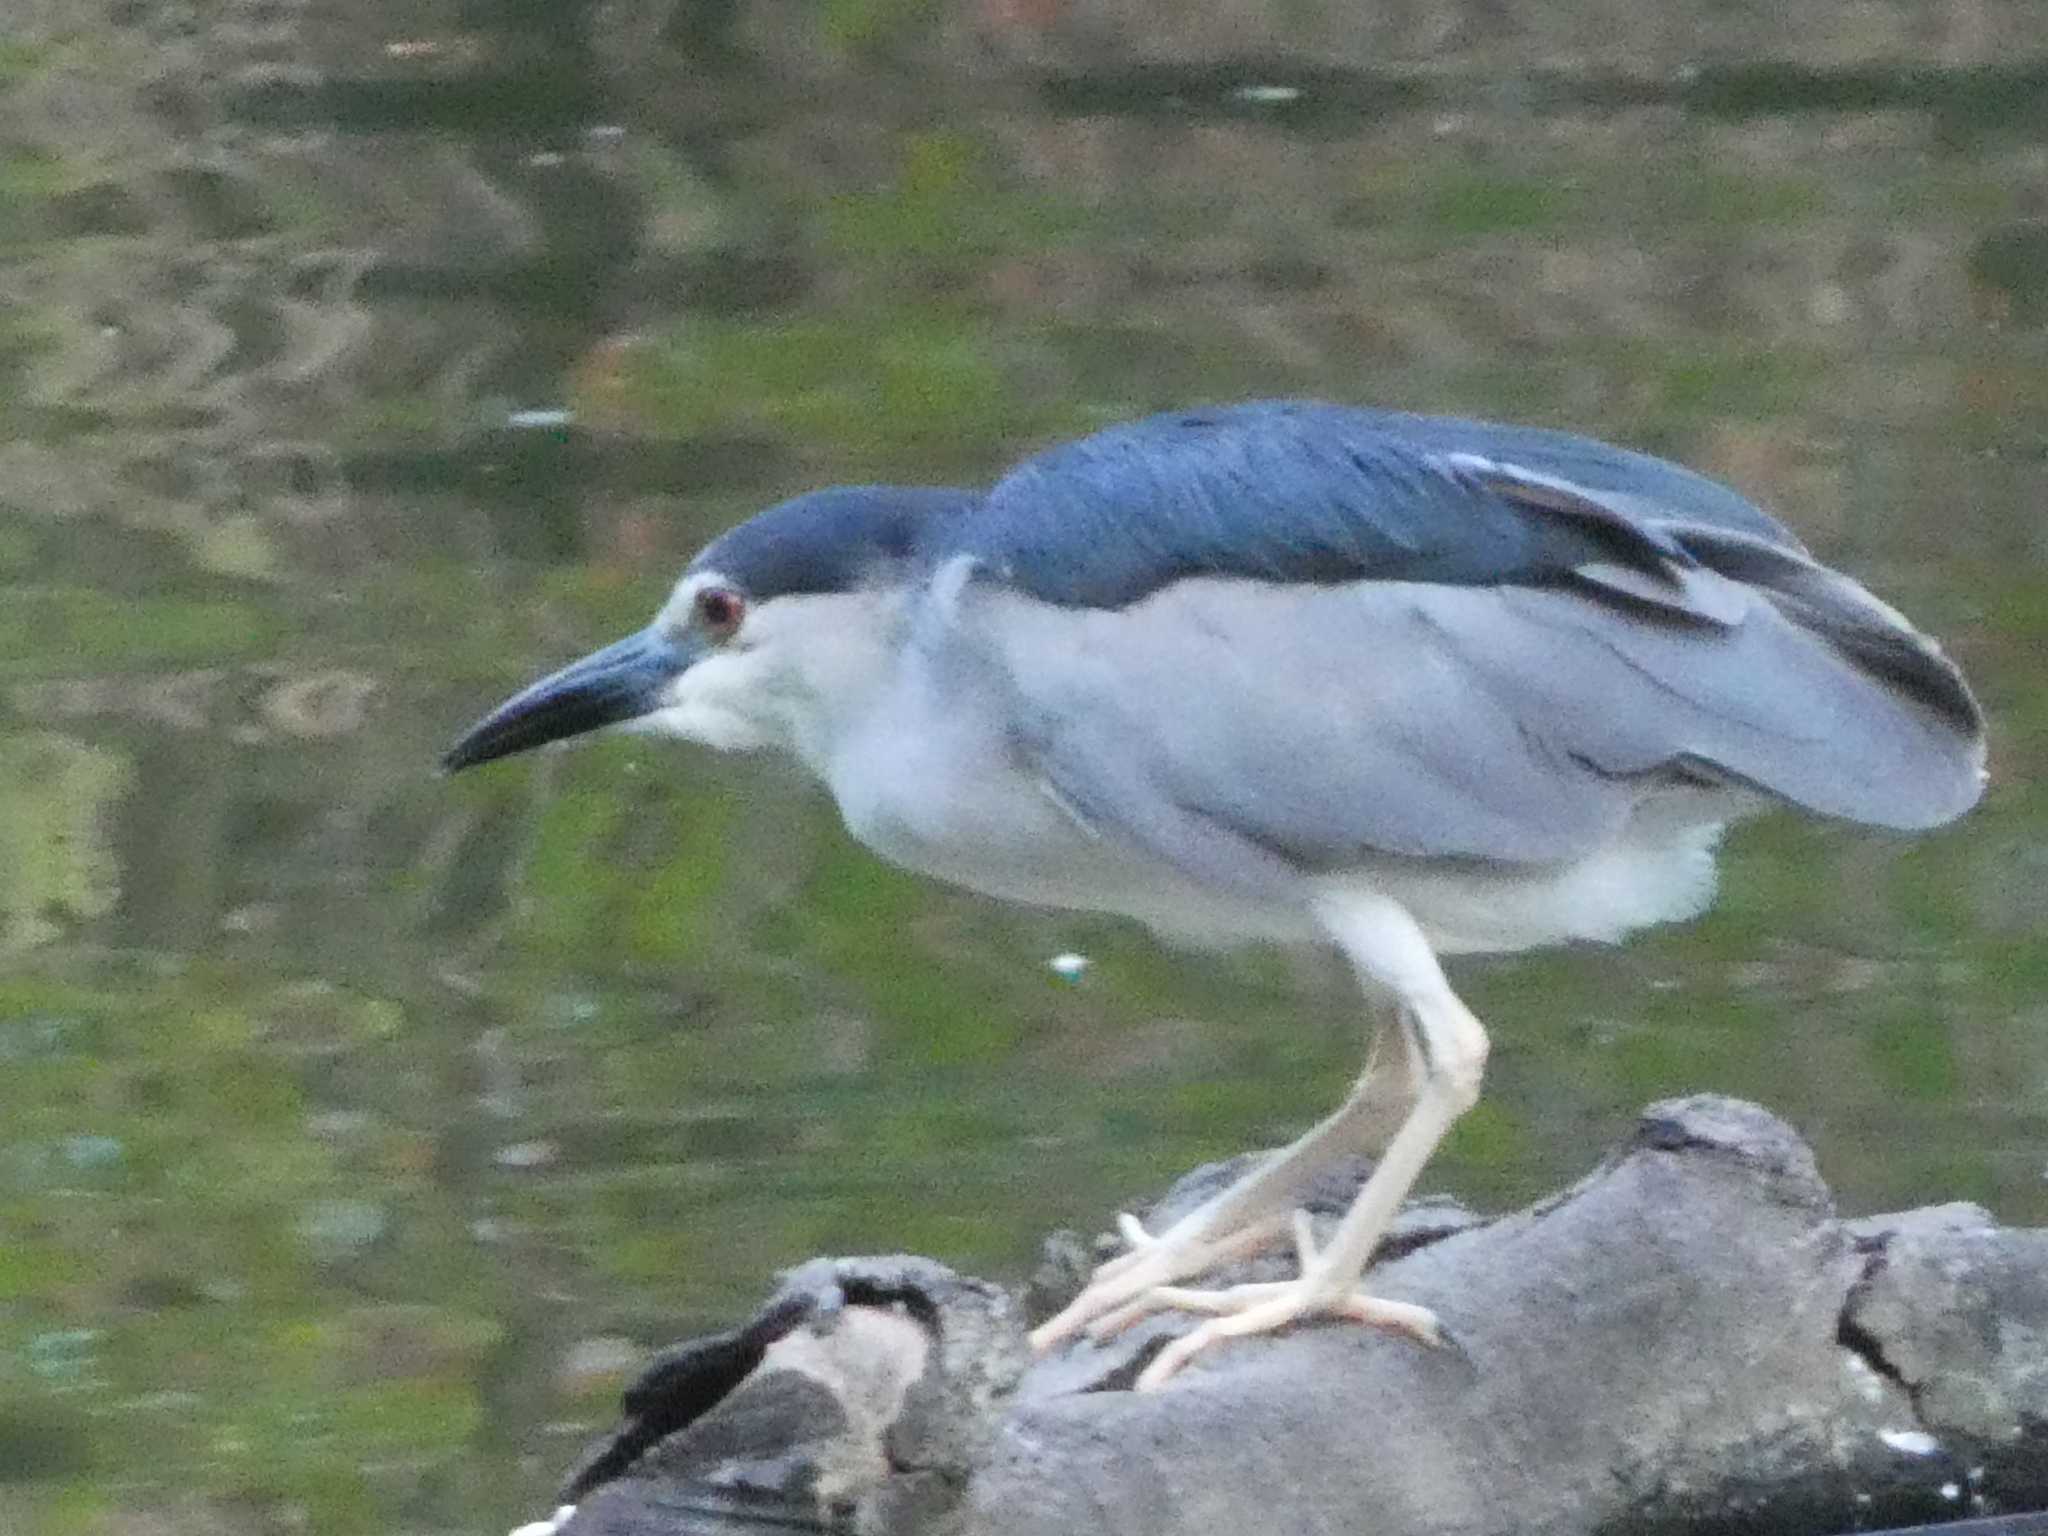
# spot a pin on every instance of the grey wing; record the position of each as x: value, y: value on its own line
x: 1230, y: 726
x: 1229, y: 723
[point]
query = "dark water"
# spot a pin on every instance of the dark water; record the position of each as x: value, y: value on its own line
x: 356, y: 1126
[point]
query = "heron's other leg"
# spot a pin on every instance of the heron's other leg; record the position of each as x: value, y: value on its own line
x: 1449, y: 1045
x: 1253, y: 1211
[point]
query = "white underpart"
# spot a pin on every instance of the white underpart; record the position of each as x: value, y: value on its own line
x: 708, y: 705
x: 1655, y: 872
x: 950, y: 800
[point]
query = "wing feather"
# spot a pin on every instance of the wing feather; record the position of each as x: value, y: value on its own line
x: 1324, y: 725
x: 1304, y: 634
x: 1304, y: 492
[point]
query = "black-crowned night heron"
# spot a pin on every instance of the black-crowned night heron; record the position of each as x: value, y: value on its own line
x: 1302, y: 674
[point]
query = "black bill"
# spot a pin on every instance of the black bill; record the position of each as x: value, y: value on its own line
x: 620, y: 682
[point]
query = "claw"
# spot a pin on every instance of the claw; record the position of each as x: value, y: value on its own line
x: 1445, y: 1339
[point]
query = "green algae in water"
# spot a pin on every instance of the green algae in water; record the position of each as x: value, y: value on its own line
x: 859, y: 25
x: 17, y: 546
x: 237, y: 546
x: 946, y: 211
x: 55, y: 631
x: 56, y: 865
x: 901, y: 389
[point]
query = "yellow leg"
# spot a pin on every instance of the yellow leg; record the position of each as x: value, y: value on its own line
x: 1246, y: 1216
x: 1450, y: 1046
x: 1425, y: 1087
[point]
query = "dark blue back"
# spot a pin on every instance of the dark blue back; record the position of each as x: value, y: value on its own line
x: 1303, y: 491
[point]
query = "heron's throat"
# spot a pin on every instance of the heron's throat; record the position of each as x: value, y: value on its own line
x: 811, y: 670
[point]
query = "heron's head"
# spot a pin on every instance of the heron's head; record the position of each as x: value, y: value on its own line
x: 764, y: 635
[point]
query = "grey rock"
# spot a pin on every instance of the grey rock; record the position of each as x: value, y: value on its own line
x: 1955, y: 1309
x: 1625, y: 1348
x: 861, y: 1397
x: 1686, y: 1340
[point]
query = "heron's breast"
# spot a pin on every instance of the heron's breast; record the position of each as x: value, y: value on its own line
x: 953, y: 804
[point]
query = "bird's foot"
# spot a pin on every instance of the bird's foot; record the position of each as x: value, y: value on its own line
x: 1320, y: 1290
x: 1248, y: 1309
x: 1149, y: 1263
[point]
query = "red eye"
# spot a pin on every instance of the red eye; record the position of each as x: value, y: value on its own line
x: 719, y: 610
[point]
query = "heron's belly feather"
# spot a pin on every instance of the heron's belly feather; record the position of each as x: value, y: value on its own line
x: 1635, y: 882
x: 1015, y: 841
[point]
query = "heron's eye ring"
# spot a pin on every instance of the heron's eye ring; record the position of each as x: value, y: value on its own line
x: 720, y: 610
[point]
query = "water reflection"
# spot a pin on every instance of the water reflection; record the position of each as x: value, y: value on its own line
x: 343, y: 1107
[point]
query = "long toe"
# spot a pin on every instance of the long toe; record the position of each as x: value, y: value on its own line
x: 1102, y: 1307
x: 1242, y: 1310
x: 1173, y: 1298
x: 1418, y: 1323
x: 1105, y: 1296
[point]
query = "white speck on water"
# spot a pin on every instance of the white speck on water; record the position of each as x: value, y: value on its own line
x: 1069, y: 966
x: 1267, y: 95
x: 340, y: 1229
x: 526, y: 1154
x: 1951, y: 1492
x: 1829, y: 304
x: 333, y: 1124
x: 567, y: 1010
x: 92, y: 1151
x: 546, y: 157
x: 62, y: 1355
x: 1910, y: 1442
x: 166, y: 1402
x: 540, y: 416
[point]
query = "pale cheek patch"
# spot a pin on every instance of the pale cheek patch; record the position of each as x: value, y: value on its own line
x: 716, y: 704
x: 706, y: 725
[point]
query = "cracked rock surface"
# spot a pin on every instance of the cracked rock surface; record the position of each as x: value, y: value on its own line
x: 1686, y: 1340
